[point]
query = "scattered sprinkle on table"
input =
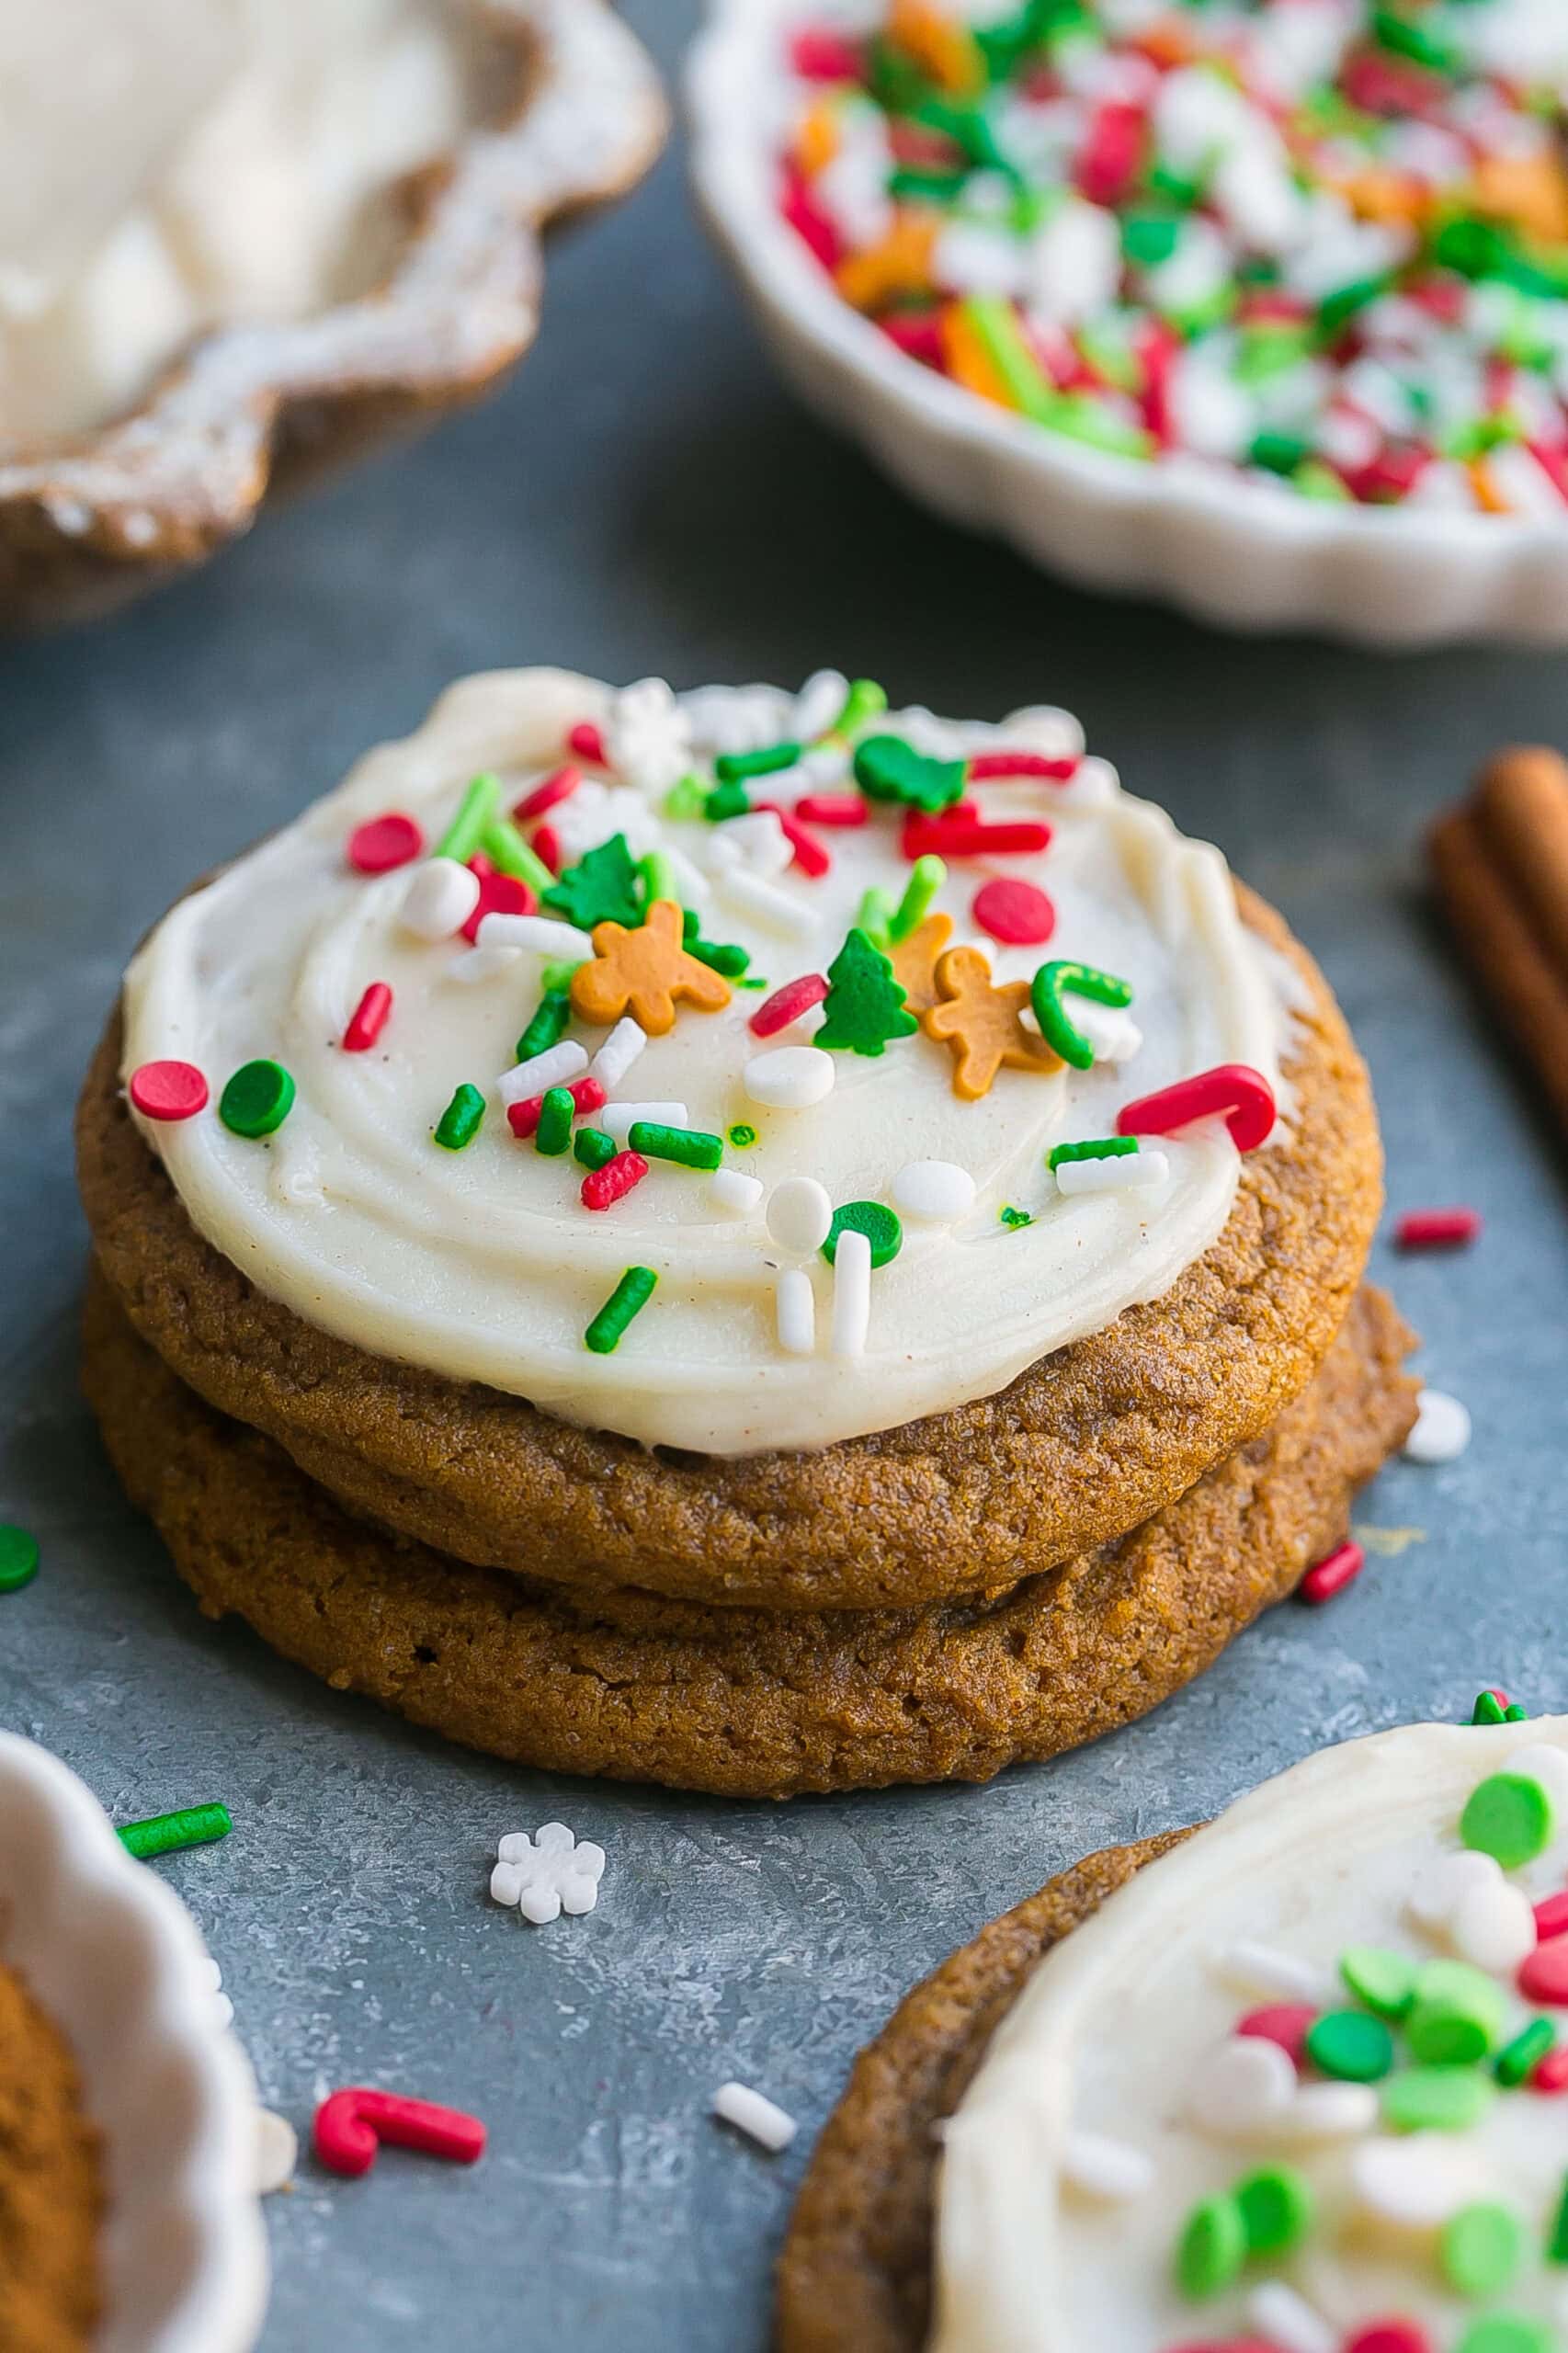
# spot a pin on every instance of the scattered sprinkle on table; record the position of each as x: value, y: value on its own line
x: 18, y: 1557
x: 1332, y: 1572
x: 549, y: 1873
x: 1442, y: 1429
x: 166, y: 1833
x: 1436, y: 1229
x: 276, y: 2151
x: 752, y: 2113
x: 350, y: 2126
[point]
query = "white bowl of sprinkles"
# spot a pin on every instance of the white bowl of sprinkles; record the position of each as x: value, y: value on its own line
x: 114, y: 1959
x: 1477, y: 549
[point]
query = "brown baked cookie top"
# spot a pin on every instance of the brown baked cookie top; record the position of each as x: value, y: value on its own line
x: 1082, y: 1447
x: 740, y: 1702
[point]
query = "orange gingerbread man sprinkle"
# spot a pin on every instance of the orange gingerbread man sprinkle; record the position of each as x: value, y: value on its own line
x: 644, y: 972
x: 979, y: 1025
x: 914, y: 960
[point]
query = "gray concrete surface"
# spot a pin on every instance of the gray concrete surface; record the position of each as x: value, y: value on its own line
x: 646, y: 499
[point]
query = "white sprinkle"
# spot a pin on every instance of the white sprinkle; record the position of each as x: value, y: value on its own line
x: 819, y: 703
x: 1443, y: 1885
x: 796, y: 1306
x: 1259, y: 1969
x: 1289, y: 2321
x: 731, y: 1190
x: 554, y: 1067
x: 1099, y: 2167
x: 777, y: 910
x: 439, y: 899
x: 1242, y: 2089
x: 548, y: 1874
x: 1442, y: 1429
x: 800, y: 1212
x: 537, y: 932
x: 851, y: 1293
x: 1416, y: 2183
x: 1121, y: 1172
x: 618, y: 1053
x: 221, y: 2001
x: 694, y: 888
x: 1494, y: 1927
x: 618, y: 1120
x: 763, y: 844
x: 482, y: 964
x: 790, y: 1078
x: 1330, y: 2113
x: 738, y: 2105
x: 276, y: 2151
x: 933, y: 1191
x: 1110, y: 1030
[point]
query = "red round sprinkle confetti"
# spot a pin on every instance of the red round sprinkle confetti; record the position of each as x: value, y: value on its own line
x: 956, y: 835
x: 820, y: 54
x: 1015, y: 913
x: 602, y: 1187
x: 787, y: 1003
x: 168, y: 1090
x: 1332, y: 1572
x: 587, y: 1095
x: 991, y: 766
x: 547, y: 848
x: 832, y: 809
x: 810, y: 856
x: 499, y: 894
x: 586, y: 742
x: 1552, y: 1915
x: 350, y: 2125
x: 1243, y: 1094
x: 383, y: 843
x: 1436, y: 1229
x: 1390, y: 2337
x: 1551, y: 2073
x: 547, y: 795
x: 369, y: 1018
x: 1284, y: 2023
x: 1543, y: 1974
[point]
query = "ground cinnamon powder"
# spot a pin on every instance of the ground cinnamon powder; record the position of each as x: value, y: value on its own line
x: 51, y: 2186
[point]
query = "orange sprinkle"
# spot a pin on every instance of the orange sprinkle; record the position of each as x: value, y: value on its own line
x: 816, y: 140
x: 900, y: 264
x: 968, y: 361
x: 1168, y: 43
x: 1487, y: 493
x: 1529, y: 191
x: 947, y: 49
x: 1395, y: 197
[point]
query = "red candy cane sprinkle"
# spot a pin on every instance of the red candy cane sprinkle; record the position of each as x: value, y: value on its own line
x: 786, y: 1005
x: 1243, y: 1094
x: 369, y: 1018
x: 547, y: 795
x: 1016, y: 914
x: 350, y: 2126
x: 953, y: 835
x: 588, y: 1095
x: 602, y: 1187
x: 1284, y: 2023
x: 992, y: 767
x: 1436, y: 1229
x: 547, y: 848
x: 1550, y: 2073
x: 586, y: 742
x: 810, y: 856
x: 1332, y: 1572
x: 168, y: 1090
x: 832, y: 809
x: 385, y: 841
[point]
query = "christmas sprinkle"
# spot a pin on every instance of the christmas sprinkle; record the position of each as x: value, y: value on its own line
x: 18, y: 1557
x: 629, y: 1296
x: 166, y: 1833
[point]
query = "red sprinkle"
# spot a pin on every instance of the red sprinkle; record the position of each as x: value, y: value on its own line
x: 1332, y: 1572
x: 547, y: 848
x: 1111, y: 154
x: 808, y: 220
x: 350, y: 2125
x: 547, y: 795
x: 499, y: 894
x: 965, y: 836
x: 1436, y: 1229
x: 1390, y: 2337
x: 1228, y: 2345
x: 169, y: 1090
x: 1543, y: 1974
x: 809, y: 855
x: 587, y: 1095
x: 787, y: 1003
x: 385, y: 841
x: 1015, y: 913
x: 832, y: 809
x: 918, y: 333
x: 1551, y: 2073
x: 1235, y: 1088
x: 589, y: 743
x: 825, y: 56
x: 602, y: 1187
x: 1284, y: 2023
x: 991, y: 766
x: 369, y: 1018
x: 1552, y: 1915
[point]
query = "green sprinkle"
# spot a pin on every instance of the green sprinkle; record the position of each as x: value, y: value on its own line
x: 1517, y: 2059
x: 927, y: 877
x: 475, y: 810
x: 601, y: 888
x: 925, y: 187
x: 1009, y: 1215
x: 18, y: 1557
x: 1506, y: 2332
x: 1509, y: 1817
x: 556, y: 976
x: 1096, y: 1148
x: 458, y: 1123
x: 1149, y: 238
x: 593, y: 1147
x: 1514, y: 1715
x: 875, y: 915
x: 889, y: 769
x: 257, y: 1098
x: 688, y: 1147
x: 687, y: 797
x: 751, y: 980
x: 1337, y: 310
x: 1275, y: 2207
x: 729, y: 800
x: 996, y: 329
x: 1458, y: 2015
x: 553, y: 1134
x: 733, y: 768
x: 1279, y: 453
x: 658, y: 878
x: 1315, y: 480
x: 742, y: 1135
x: 1478, y: 2248
x: 1401, y: 39
x: 864, y: 1008
x: 875, y: 1221
x: 720, y: 956
x: 505, y: 849
x: 1557, y: 2240
x: 1212, y: 2247
x: 1050, y: 985
x: 1385, y: 1980
x: 1487, y: 1711
x: 548, y: 1025
x: 1350, y: 2046
x: 1436, y: 2100
x: 864, y: 701
x: 629, y: 1296
x: 164, y: 1833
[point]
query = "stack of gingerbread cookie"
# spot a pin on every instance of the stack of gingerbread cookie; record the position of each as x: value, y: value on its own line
x: 744, y: 1239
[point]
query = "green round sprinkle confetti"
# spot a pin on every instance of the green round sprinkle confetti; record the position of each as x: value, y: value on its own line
x: 875, y: 1221
x: 553, y: 1134
x: 742, y: 1135
x: 458, y: 1123
x: 548, y: 1025
x: 1058, y: 979
x: 688, y: 1147
x: 1479, y: 2249
x: 1509, y: 1817
x: 1506, y: 2332
x: 1514, y: 2060
x: 629, y: 1296
x: 593, y: 1147
x: 475, y: 810
x: 1275, y: 2207
x: 18, y: 1557
x: 165, y: 1834
x: 1436, y: 2100
x: 1458, y: 2015
x: 1385, y: 1980
x: 1212, y: 2247
x: 1351, y: 2046
x: 257, y: 1098
x: 1096, y: 1148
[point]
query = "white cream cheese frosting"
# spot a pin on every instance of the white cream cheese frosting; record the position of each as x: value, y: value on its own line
x: 1112, y: 2100
x: 483, y: 1263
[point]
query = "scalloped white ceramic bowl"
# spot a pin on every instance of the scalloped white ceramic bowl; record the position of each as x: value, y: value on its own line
x: 114, y: 1957
x: 1231, y: 549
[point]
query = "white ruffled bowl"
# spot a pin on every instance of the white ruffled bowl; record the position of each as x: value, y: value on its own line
x: 114, y: 1957
x: 1226, y: 547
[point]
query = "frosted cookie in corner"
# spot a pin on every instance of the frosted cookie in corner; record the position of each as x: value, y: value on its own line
x: 765, y: 1151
